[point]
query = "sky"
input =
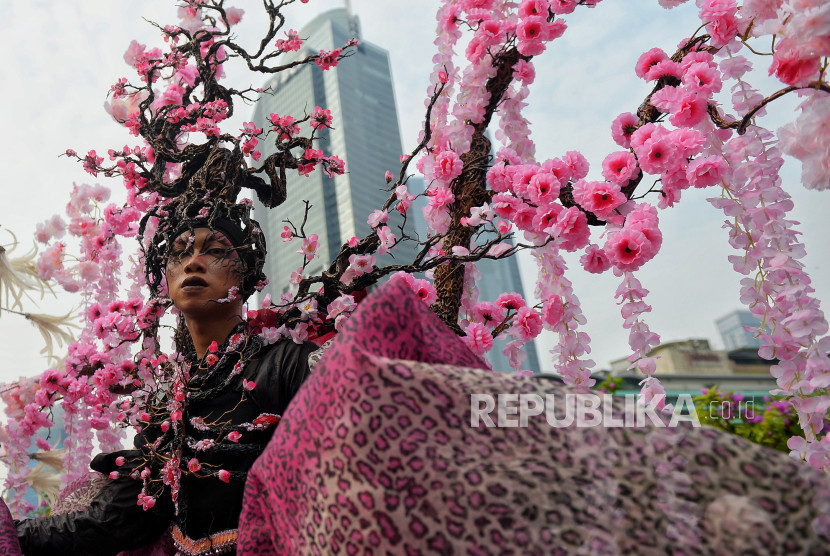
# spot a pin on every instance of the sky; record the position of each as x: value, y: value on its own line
x: 61, y: 58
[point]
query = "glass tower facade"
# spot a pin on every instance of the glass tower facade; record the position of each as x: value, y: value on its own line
x: 366, y: 136
x: 733, y: 332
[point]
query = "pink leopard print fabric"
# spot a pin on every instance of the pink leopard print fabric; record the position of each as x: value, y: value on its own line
x: 377, y: 455
x: 9, y: 546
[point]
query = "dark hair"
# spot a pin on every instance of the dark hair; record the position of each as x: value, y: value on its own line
x: 206, y: 203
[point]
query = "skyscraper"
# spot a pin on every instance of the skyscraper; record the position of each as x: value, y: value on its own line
x: 366, y: 136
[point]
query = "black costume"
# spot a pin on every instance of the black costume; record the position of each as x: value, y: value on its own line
x: 115, y: 521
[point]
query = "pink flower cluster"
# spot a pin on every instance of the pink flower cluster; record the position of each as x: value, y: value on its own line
x: 777, y: 288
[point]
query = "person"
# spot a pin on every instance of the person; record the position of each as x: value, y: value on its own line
x: 210, y: 416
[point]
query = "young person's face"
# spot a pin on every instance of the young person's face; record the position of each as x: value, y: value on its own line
x: 202, y: 267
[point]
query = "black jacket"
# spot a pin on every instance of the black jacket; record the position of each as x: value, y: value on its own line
x: 115, y: 522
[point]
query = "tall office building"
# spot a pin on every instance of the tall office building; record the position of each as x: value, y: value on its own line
x: 366, y: 136
x: 360, y: 96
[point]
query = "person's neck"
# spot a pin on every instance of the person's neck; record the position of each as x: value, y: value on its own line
x: 205, y: 331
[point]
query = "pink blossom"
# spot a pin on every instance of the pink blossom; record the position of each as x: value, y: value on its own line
x: 193, y: 465
x: 644, y: 219
x: 497, y: 178
x: 571, y: 229
x: 286, y: 234
x: 404, y: 197
x: 286, y: 126
x: 248, y: 385
x: 311, y: 244
x: 796, y: 62
x: 293, y: 42
x: 530, y: 34
x: 595, y: 260
x: 488, y: 313
x: 447, y: 167
x: 702, y: 79
x: 543, y: 188
x: 722, y: 30
x: 528, y: 8
x: 54, y: 227
x: 387, y: 240
x: 655, y: 155
x: 703, y: 172
x: 563, y: 7
x: 521, y: 178
x: 134, y: 51
x: 234, y: 15
x: 377, y: 218
x: 620, y: 167
x: 622, y: 127
x: 328, y: 59
x: 505, y: 205
x: 664, y: 69
x: 478, y: 338
x: 546, y: 216
x: 523, y: 71
x: 626, y: 248
x: 577, y: 163
x: 490, y: 32
x: 234, y: 436
x: 320, y: 118
x: 425, y: 291
x: 688, y: 141
x: 553, y: 310
x: 647, y: 60
x: 50, y: 262
x: 510, y: 301
x: 527, y: 324
x: 599, y: 197
x: 358, y: 266
x: 224, y: 475
x: 687, y: 109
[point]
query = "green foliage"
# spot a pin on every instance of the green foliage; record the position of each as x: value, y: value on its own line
x: 770, y: 423
x: 610, y: 385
